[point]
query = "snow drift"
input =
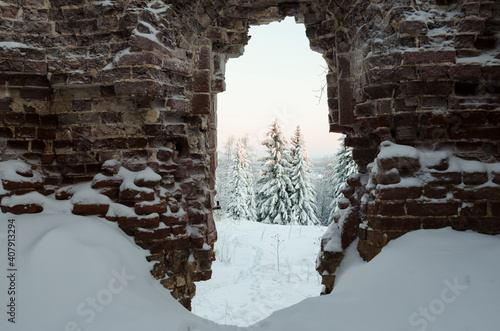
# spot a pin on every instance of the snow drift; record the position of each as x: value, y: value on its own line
x: 76, y: 273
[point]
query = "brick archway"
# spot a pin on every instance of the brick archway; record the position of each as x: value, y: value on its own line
x: 93, y: 88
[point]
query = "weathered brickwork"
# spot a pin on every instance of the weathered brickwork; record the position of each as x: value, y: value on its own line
x: 116, y: 100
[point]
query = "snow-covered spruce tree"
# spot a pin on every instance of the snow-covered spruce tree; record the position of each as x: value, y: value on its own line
x: 343, y: 168
x: 303, y: 197
x: 325, y: 191
x: 241, y: 193
x: 273, y: 198
x: 223, y: 173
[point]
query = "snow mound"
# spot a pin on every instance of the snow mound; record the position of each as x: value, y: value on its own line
x: 426, y: 280
x: 84, y: 273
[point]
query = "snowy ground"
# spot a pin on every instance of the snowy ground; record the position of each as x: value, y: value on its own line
x: 83, y: 273
x: 246, y: 285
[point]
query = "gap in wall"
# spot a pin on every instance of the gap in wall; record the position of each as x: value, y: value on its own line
x: 278, y: 76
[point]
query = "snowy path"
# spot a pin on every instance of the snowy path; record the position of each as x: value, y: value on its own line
x: 246, y: 285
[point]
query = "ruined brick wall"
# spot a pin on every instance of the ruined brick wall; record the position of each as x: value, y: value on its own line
x: 99, y: 92
x: 118, y: 98
x: 424, y: 74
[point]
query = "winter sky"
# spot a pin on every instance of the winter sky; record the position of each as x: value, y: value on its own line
x: 278, y: 76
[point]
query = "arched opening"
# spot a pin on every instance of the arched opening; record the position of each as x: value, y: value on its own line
x: 261, y: 268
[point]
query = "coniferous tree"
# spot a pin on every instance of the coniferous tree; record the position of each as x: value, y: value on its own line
x: 223, y: 173
x: 242, y: 204
x: 325, y: 191
x: 303, y: 197
x: 273, y: 198
x: 343, y: 168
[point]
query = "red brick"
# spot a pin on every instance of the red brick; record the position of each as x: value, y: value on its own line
x: 485, y: 133
x: 398, y: 193
x: 138, y: 88
x: 24, y: 132
x: 387, y: 209
x: 23, y: 209
x: 129, y: 224
x: 431, y: 209
x: 426, y: 88
x: 475, y: 178
x: 478, y: 193
x: 189, y: 190
x: 90, y: 209
x: 154, y: 235
x: 491, y: 73
x: 147, y: 182
x: 107, y: 182
x: 406, y: 134
x: 204, y: 59
x: 178, y: 104
x: 464, y: 41
x: 9, y: 11
x: 495, y: 209
x: 201, y: 81
x: 346, y: 103
x: 380, y: 91
x: 201, y: 104
x: 399, y: 223
x: 444, y: 178
x: 465, y: 72
x: 176, y: 66
x: 368, y: 123
x: 473, y: 209
x: 496, y: 177
x: 377, y: 238
x: 363, y: 156
x: 17, y: 185
x: 365, y: 110
x: 14, y: 119
x: 433, y: 71
x: 471, y: 26
x: 428, y: 57
x: 474, y: 102
x: 435, y: 223
x: 431, y: 102
x: 137, y: 142
x: 169, y: 219
x: 435, y: 192
x: 18, y: 145
x: 390, y: 75
x: 49, y: 120
x: 137, y: 195
x: 401, y: 106
x: 368, y: 251
x: 111, y: 192
x: 35, y: 93
x: 6, y: 133
x: 176, y: 244
x: 405, y: 164
x: 412, y: 27
x: 183, y: 170
x: 494, y: 117
x: 473, y: 117
x: 139, y: 59
x: 146, y: 209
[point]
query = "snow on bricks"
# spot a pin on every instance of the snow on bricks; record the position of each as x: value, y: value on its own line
x: 146, y: 211
x: 409, y: 189
x: 440, y: 190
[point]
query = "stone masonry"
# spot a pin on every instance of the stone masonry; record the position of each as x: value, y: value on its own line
x: 118, y: 98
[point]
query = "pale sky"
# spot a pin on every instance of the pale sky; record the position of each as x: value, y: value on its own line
x: 277, y: 76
